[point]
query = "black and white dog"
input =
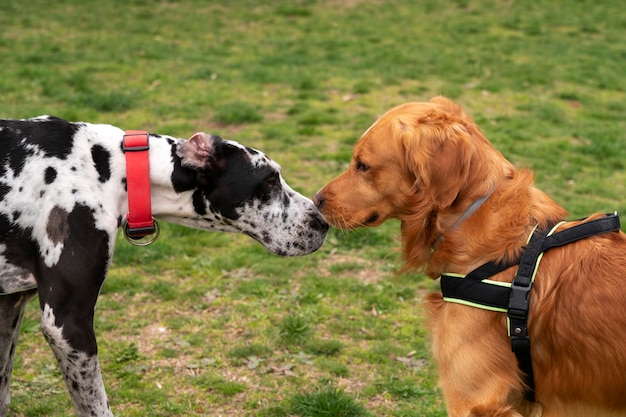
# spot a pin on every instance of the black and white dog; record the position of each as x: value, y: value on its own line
x: 63, y: 196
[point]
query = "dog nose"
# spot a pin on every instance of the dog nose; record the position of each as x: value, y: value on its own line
x: 318, y: 200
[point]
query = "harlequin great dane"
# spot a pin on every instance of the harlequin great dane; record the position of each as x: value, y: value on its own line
x: 63, y: 195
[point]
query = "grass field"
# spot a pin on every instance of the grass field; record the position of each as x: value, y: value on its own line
x: 206, y: 324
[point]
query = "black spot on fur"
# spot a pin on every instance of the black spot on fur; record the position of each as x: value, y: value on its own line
x: 17, y: 159
x: 198, y: 203
x: 4, y: 190
x: 57, y: 227
x: 53, y: 136
x: 18, y: 244
x: 183, y: 179
x: 102, y: 161
x: 19, y: 139
x: 50, y: 175
x: 239, y: 182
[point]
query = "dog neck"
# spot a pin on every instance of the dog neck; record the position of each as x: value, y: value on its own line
x: 471, y: 209
x: 495, y: 231
x: 171, y: 201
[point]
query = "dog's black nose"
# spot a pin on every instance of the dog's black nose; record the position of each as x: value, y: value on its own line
x: 318, y: 200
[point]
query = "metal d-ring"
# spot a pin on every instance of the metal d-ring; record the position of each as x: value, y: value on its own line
x: 141, y: 241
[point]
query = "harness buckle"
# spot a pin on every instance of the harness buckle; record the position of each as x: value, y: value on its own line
x: 135, y: 141
x: 519, y: 302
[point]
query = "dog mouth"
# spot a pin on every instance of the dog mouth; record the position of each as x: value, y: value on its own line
x: 349, y: 223
x: 372, y: 219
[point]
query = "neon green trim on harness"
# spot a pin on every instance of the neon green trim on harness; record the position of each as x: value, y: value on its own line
x: 476, y: 305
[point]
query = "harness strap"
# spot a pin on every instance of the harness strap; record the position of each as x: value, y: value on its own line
x: 610, y: 223
x: 519, y: 304
x: 476, y: 290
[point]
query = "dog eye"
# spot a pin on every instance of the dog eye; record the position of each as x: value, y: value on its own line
x: 360, y: 166
x: 272, y: 181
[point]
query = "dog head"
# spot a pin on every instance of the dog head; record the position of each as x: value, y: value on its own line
x: 239, y: 189
x: 422, y: 163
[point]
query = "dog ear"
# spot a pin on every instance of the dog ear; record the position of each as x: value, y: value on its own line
x: 200, y: 151
x: 439, y: 153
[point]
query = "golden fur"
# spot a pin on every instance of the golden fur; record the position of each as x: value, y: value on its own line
x: 425, y: 164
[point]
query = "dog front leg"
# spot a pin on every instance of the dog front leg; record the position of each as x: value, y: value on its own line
x: 478, y: 373
x: 79, y: 364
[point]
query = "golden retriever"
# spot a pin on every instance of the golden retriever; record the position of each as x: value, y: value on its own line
x: 428, y: 165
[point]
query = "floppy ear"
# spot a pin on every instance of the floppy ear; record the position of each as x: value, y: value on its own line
x: 439, y: 153
x: 200, y: 151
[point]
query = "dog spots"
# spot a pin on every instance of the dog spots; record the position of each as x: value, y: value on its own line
x: 101, y: 158
x: 4, y: 190
x: 49, y: 175
x: 57, y: 227
x: 54, y: 136
x: 17, y: 159
x: 199, y: 205
x: 183, y: 179
x: 252, y: 151
x: 81, y: 370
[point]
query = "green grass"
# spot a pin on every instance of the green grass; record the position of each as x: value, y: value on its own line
x: 327, y: 402
x: 211, y: 324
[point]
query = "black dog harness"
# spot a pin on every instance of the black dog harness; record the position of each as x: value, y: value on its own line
x: 476, y: 290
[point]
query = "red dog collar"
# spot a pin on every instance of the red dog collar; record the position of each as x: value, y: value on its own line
x: 140, y: 222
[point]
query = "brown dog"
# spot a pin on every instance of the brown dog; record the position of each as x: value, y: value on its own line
x: 462, y: 204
